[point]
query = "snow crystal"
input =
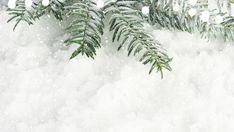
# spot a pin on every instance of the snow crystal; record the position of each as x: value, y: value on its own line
x: 41, y: 90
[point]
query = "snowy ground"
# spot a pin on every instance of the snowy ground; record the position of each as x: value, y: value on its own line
x: 42, y: 91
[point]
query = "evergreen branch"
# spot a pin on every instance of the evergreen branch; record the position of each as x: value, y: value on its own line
x: 162, y: 15
x: 57, y: 8
x: 127, y: 27
x: 21, y: 13
x: 86, y: 28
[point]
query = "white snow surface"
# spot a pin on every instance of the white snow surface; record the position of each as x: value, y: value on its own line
x: 41, y: 90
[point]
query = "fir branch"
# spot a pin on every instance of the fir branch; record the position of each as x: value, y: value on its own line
x: 30, y: 15
x: 86, y: 28
x: 20, y: 13
x: 162, y: 16
x: 57, y: 8
x: 127, y: 27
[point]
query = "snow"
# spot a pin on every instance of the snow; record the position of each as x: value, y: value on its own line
x: 41, y: 90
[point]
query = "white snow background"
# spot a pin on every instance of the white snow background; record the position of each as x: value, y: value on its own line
x: 41, y: 90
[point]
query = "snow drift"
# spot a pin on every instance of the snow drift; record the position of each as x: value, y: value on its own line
x: 41, y: 90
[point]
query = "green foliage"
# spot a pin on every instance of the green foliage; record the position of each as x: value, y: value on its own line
x: 126, y: 23
x: 57, y: 9
x: 21, y: 14
x: 87, y: 25
x: 86, y: 28
x: 163, y: 16
x: 30, y: 15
